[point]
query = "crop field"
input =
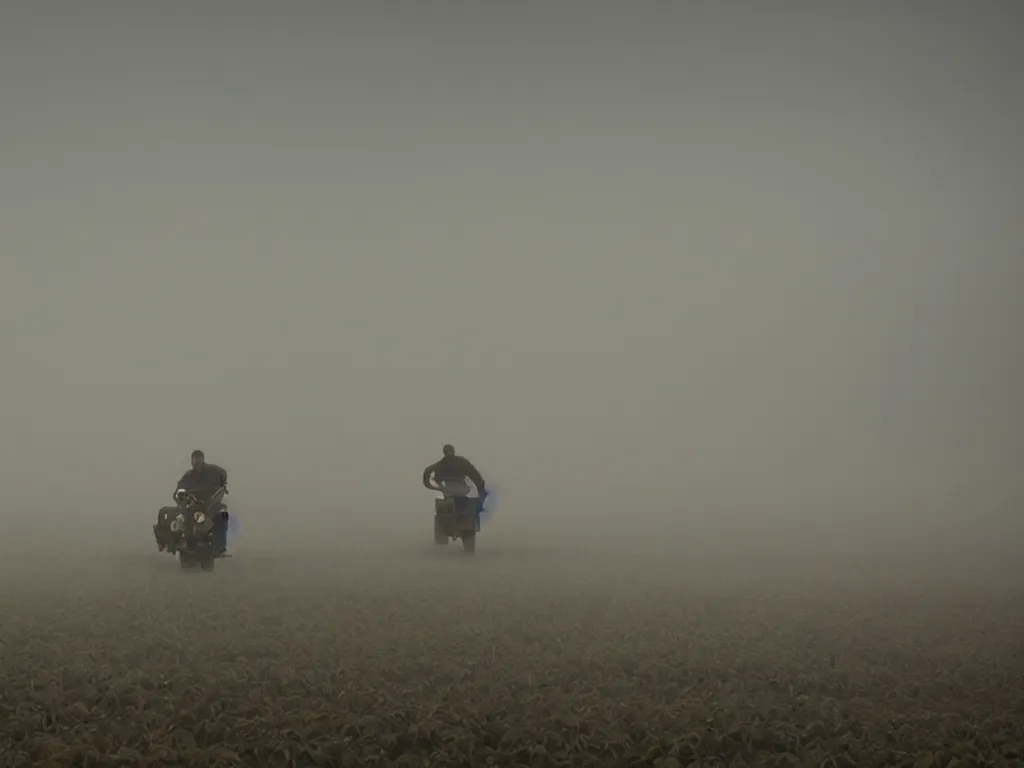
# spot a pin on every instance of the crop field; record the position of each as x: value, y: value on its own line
x: 518, y: 657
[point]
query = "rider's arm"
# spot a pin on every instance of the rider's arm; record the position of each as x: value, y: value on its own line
x: 474, y: 474
x: 181, y: 482
x: 223, y: 476
x: 426, y: 475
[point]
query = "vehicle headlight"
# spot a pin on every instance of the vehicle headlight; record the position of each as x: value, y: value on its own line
x: 199, y: 517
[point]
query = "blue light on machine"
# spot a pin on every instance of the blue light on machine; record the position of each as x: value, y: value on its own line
x: 486, y: 505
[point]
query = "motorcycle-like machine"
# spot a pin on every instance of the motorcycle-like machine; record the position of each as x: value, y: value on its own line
x: 456, y: 514
x: 195, y: 529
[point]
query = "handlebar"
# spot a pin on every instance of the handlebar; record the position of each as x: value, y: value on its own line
x: 196, y: 493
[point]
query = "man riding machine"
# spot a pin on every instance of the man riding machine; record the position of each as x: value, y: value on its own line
x: 202, y: 481
x: 456, y: 514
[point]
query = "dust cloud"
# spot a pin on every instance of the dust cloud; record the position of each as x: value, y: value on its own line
x: 719, y: 304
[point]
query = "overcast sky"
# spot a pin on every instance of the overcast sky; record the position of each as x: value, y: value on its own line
x: 701, y: 250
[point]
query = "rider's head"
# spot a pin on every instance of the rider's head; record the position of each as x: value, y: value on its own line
x: 198, y: 459
x: 448, y: 450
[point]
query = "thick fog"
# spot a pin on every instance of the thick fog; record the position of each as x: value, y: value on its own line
x: 740, y: 274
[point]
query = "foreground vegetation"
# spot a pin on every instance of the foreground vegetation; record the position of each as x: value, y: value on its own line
x: 416, y: 659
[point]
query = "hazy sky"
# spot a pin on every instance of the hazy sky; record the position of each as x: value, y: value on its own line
x: 698, y: 249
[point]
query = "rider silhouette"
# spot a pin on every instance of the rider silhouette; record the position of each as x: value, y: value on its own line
x: 203, y: 479
x: 453, y: 467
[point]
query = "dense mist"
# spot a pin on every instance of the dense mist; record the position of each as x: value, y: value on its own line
x: 722, y: 281
x: 723, y: 300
